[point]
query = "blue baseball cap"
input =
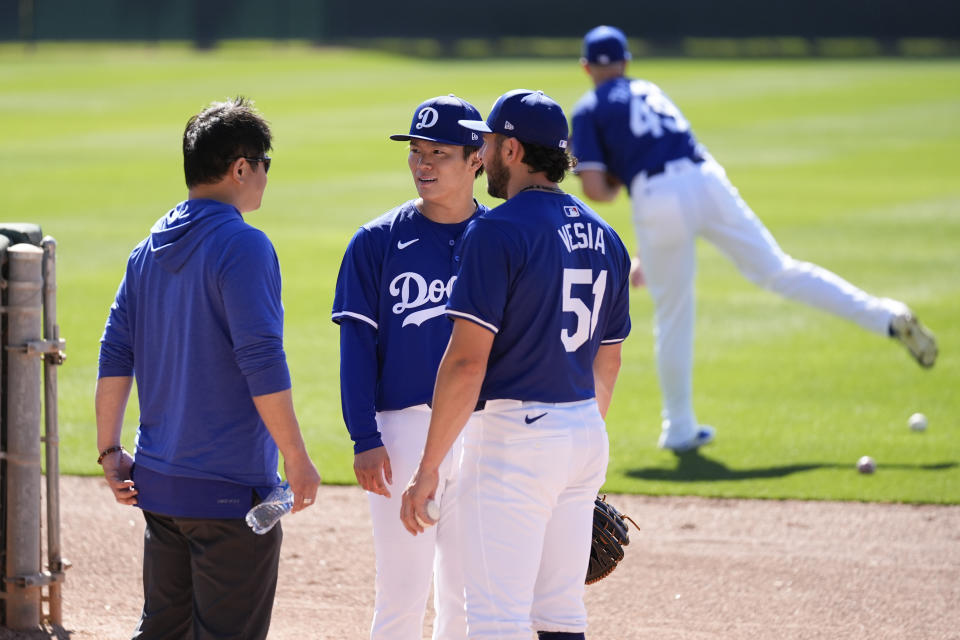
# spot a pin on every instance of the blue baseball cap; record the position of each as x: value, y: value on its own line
x: 605, y: 45
x: 528, y: 116
x: 436, y: 120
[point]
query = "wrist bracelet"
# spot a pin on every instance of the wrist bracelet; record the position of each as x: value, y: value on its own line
x: 108, y: 451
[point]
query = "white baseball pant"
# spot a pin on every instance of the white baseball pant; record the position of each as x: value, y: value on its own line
x: 688, y: 200
x: 405, y: 563
x: 527, y: 489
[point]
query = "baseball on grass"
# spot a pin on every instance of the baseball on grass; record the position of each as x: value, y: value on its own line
x: 433, y: 512
x: 866, y: 465
x: 918, y: 422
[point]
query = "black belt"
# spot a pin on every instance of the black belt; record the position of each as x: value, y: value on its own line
x: 696, y: 158
x: 481, y: 405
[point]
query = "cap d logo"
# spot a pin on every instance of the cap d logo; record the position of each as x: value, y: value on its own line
x: 428, y: 117
x: 508, y: 125
x: 474, y: 136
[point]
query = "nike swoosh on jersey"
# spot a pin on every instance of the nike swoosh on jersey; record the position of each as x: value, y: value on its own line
x: 530, y: 420
x: 403, y: 245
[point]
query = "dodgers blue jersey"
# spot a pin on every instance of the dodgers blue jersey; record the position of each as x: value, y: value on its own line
x: 396, y: 276
x: 626, y: 127
x: 550, y: 278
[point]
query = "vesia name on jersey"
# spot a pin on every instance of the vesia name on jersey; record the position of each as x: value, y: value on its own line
x: 582, y: 235
x: 413, y: 291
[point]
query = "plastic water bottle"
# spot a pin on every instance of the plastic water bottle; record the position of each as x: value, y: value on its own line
x: 265, y: 515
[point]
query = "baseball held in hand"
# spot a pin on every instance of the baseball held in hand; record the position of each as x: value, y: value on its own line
x: 433, y: 512
x: 866, y: 465
x: 918, y: 422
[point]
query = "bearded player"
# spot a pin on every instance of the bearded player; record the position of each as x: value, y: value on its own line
x: 391, y: 294
x: 540, y: 309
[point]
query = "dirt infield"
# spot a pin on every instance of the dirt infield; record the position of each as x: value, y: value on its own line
x: 695, y: 569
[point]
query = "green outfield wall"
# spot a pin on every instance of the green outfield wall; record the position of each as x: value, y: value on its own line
x: 771, y: 27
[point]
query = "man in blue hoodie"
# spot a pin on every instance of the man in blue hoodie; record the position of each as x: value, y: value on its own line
x: 198, y: 321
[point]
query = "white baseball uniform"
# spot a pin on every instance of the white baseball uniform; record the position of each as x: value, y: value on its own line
x: 678, y: 192
x: 548, y: 277
x: 390, y: 300
x: 406, y: 565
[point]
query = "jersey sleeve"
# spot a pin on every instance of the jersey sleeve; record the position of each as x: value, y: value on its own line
x: 358, y: 383
x: 356, y: 295
x: 618, y: 323
x: 586, y: 146
x: 480, y: 291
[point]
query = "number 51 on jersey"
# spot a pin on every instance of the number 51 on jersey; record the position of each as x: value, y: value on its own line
x: 586, y: 316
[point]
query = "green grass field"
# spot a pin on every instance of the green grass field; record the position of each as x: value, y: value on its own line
x: 851, y: 164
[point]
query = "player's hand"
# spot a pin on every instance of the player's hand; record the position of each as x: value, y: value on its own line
x: 304, y: 480
x: 373, y: 471
x: 422, y: 487
x: 636, y: 273
x: 116, y: 471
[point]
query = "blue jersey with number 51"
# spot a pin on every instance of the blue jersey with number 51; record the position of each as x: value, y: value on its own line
x: 628, y: 126
x: 550, y: 278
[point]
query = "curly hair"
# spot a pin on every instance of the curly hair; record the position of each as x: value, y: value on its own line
x: 220, y: 134
x: 554, y: 162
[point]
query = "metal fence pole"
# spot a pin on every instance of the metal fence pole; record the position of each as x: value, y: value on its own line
x: 53, y: 358
x: 4, y: 243
x: 24, y: 285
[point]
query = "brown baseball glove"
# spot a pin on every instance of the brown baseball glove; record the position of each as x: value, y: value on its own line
x: 609, y: 538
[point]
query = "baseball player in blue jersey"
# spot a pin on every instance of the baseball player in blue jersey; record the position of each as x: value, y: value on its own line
x: 390, y: 300
x: 539, y: 310
x: 628, y: 132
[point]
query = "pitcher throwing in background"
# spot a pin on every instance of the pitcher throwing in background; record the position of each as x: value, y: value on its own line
x: 627, y: 132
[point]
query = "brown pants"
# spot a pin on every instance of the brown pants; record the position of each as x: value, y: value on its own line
x: 207, y: 579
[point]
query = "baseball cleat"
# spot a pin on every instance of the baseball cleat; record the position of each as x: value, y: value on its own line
x: 918, y: 340
x: 705, y: 434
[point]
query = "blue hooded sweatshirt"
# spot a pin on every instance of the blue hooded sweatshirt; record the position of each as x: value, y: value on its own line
x: 198, y: 321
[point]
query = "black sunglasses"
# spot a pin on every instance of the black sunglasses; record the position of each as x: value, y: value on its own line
x: 265, y: 160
